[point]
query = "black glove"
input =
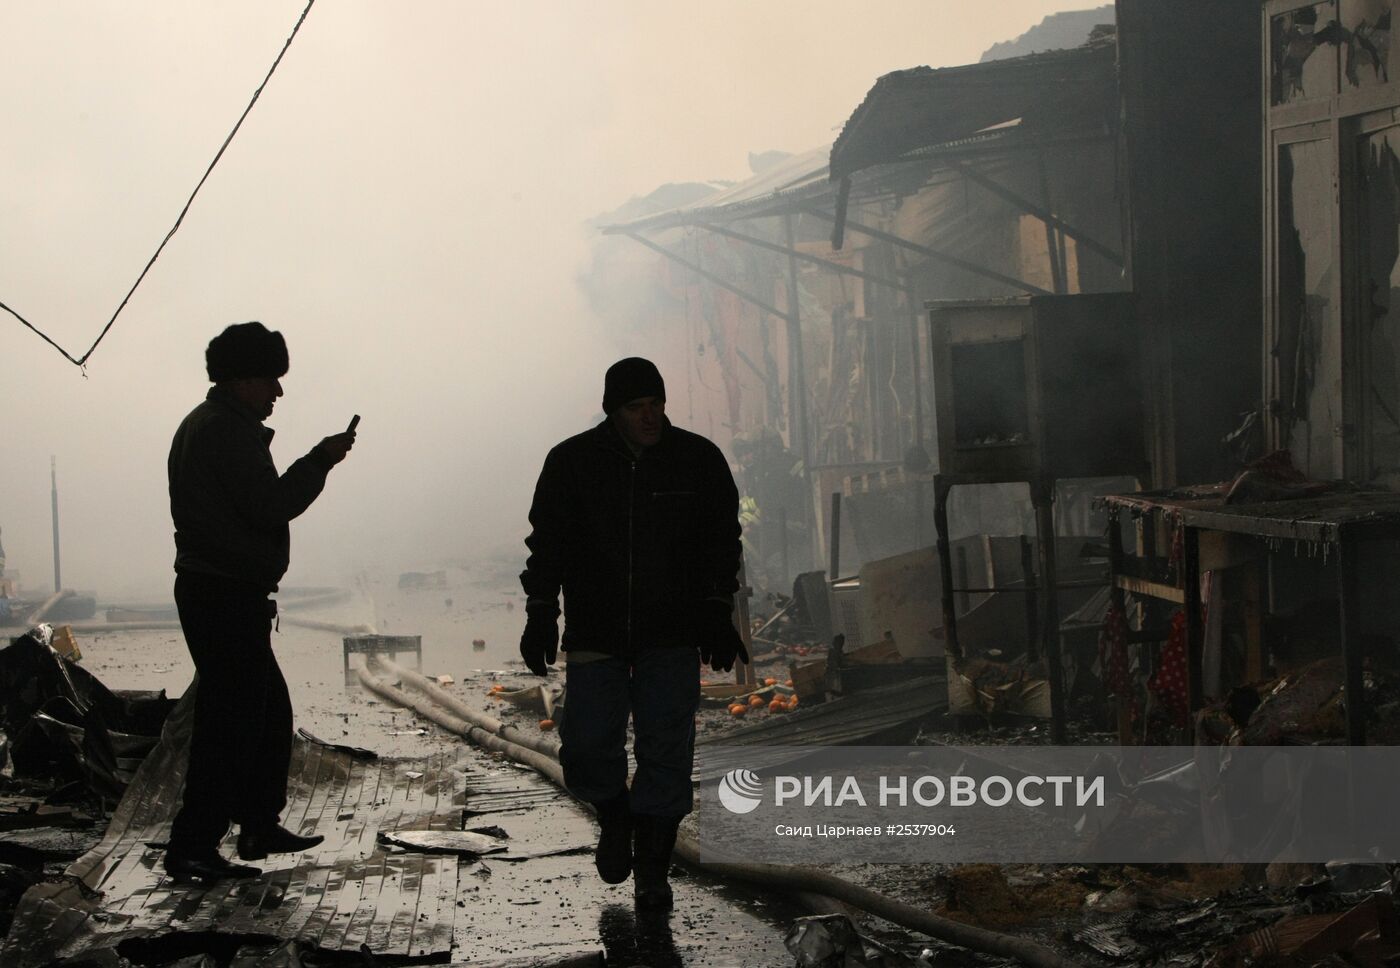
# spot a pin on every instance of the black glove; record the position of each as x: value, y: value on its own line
x: 539, y: 643
x: 720, y: 642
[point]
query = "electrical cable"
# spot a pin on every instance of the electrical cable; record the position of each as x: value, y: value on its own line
x: 81, y: 361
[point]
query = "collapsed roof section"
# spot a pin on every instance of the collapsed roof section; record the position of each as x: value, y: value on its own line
x: 799, y: 178
x: 916, y: 122
x: 984, y: 181
x: 914, y: 109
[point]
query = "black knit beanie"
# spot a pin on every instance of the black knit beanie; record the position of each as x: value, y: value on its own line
x: 246, y: 350
x: 629, y: 379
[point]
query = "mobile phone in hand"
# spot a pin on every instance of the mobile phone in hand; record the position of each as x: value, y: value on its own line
x: 354, y: 422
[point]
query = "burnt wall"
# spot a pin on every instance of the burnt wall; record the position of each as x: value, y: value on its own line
x: 1190, y: 80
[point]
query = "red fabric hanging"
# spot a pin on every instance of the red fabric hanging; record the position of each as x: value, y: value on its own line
x: 1113, y: 657
x: 1168, y: 682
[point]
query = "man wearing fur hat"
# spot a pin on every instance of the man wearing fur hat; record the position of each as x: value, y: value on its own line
x: 231, y: 510
x: 637, y: 522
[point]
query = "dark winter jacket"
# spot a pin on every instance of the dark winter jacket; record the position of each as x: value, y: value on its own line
x: 637, y: 543
x: 230, y: 506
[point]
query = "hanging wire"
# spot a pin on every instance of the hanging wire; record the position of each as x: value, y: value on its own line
x: 81, y: 361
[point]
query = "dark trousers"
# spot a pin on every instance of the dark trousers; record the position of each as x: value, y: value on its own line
x: 241, y: 742
x: 660, y: 692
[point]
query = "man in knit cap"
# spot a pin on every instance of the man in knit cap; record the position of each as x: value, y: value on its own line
x: 231, y: 510
x: 637, y: 522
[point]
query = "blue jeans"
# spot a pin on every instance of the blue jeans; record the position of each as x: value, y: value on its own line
x: 660, y: 691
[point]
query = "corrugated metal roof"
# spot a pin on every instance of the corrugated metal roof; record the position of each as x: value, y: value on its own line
x: 801, y: 177
x: 925, y: 116
x: 912, y: 109
x: 800, y: 181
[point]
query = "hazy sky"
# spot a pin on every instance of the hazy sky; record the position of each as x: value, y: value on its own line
x: 404, y: 204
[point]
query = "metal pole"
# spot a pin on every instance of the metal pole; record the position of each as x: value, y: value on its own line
x: 1195, y: 628
x: 918, y: 513
x: 1043, y: 496
x: 1353, y: 666
x: 914, y: 319
x: 941, y: 489
x: 1032, y: 600
x: 783, y: 545
x: 835, y: 534
x: 53, y: 485
x: 797, y: 379
x: 1353, y: 647
x: 1052, y: 244
x: 928, y: 253
x: 807, y: 257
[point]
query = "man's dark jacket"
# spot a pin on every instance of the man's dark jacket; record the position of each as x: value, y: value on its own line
x: 230, y: 506
x: 638, y: 543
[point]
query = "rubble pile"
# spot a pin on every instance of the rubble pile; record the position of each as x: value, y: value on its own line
x: 1303, y: 706
x: 1199, y: 915
x: 783, y: 625
x: 68, y: 747
x: 61, y: 724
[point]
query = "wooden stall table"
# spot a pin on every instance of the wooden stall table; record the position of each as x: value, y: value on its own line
x: 1216, y: 535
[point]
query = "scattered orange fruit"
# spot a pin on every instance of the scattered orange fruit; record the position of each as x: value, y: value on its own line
x: 738, y: 709
x: 788, y: 683
x: 755, y: 700
x: 792, y: 701
x: 770, y: 681
x: 777, y: 706
x: 546, y: 724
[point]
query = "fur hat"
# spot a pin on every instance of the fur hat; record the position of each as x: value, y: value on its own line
x: 629, y: 379
x: 246, y: 350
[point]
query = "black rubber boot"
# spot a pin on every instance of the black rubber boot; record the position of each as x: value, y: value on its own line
x: 613, y: 858
x: 655, y: 838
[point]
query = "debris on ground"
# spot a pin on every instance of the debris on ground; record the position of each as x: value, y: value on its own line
x: 463, y: 843
x: 832, y: 941
x: 987, y: 686
x: 64, y: 726
x: 1303, y: 705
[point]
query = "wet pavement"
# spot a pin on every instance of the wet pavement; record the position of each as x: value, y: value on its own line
x: 547, y: 908
x: 537, y: 902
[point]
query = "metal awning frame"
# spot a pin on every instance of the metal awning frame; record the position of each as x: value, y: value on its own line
x: 873, y: 183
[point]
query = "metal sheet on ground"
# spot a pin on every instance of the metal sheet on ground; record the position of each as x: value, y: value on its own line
x: 347, y: 892
x: 872, y: 717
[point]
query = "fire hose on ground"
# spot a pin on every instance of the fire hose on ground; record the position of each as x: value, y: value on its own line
x: 817, y: 887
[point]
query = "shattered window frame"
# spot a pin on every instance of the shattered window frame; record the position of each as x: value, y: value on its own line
x: 1307, y: 342
x: 1364, y: 96
x: 1368, y: 57
x: 1302, y: 44
x: 1371, y: 214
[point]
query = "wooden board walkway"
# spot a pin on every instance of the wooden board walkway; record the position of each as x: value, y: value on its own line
x: 349, y: 891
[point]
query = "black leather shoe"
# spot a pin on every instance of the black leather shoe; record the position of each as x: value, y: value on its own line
x: 613, y: 858
x: 257, y: 844
x: 208, y: 868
